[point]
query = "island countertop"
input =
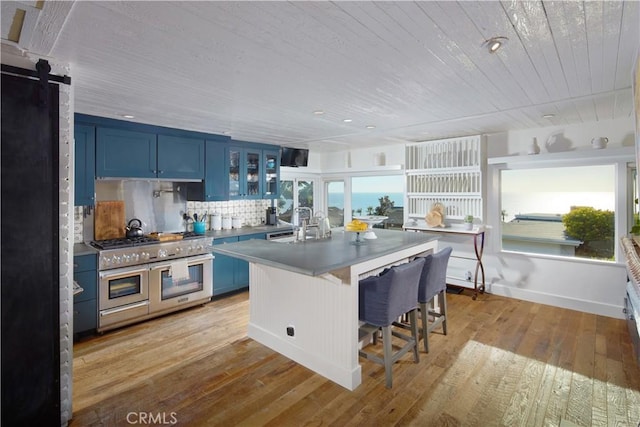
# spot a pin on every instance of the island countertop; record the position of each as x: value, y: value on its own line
x: 317, y: 257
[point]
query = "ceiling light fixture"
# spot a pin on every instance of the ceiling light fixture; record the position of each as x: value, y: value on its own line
x: 371, y: 127
x: 318, y: 112
x: 494, y: 43
x: 548, y: 116
x: 128, y: 116
x: 347, y: 120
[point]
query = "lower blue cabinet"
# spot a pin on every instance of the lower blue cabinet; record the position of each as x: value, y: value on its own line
x: 224, y: 268
x: 85, y: 304
x: 231, y: 274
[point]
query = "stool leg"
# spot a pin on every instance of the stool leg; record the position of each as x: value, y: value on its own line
x: 443, y: 310
x: 424, y: 314
x: 414, y: 334
x: 388, y: 355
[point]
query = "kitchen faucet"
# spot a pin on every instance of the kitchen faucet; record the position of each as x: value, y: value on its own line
x: 305, y: 221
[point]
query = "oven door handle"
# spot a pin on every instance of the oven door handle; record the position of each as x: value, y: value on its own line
x: 195, y: 259
x: 124, y: 271
x: 123, y: 308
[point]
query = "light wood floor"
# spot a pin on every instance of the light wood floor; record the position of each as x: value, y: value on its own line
x: 504, y: 362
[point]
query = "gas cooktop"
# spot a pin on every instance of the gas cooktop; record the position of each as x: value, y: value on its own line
x: 125, y: 242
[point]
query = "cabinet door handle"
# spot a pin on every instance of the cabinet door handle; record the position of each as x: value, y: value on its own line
x: 160, y: 171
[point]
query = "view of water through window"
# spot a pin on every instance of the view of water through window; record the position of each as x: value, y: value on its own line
x: 365, y: 198
x: 567, y: 211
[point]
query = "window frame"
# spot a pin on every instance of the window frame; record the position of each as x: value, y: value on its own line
x: 624, y: 164
x: 348, y: 186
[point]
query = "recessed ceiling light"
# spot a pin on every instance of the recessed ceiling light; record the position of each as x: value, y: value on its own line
x: 128, y: 116
x: 548, y: 116
x: 318, y: 112
x: 371, y: 127
x: 347, y: 120
x: 495, y: 43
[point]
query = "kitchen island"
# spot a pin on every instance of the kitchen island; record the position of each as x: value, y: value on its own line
x: 304, y: 296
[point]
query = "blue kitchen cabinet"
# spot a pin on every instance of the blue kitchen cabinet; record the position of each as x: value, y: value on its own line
x: 229, y: 273
x: 84, y: 165
x: 214, y: 186
x: 85, y: 304
x: 245, y: 172
x: 125, y: 153
x: 224, y: 269
x: 180, y: 157
x: 271, y: 175
x: 237, y: 171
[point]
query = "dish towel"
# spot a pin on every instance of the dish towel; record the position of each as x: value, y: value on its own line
x: 179, y: 270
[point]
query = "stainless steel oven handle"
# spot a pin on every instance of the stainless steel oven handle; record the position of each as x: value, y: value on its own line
x: 124, y: 271
x: 195, y: 259
x: 123, y: 308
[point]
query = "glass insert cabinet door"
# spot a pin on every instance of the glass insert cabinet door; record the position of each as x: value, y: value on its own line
x: 234, y: 172
x: 245, y: 171
x: 271, y: 173
x: 253, y: 168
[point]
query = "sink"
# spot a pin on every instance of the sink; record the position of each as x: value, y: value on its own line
x: 292, y: 239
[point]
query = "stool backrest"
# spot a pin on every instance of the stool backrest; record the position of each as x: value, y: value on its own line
x: 384, y: 298
x: 434, y: 275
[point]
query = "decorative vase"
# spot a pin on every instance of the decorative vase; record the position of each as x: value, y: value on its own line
x: 534, y: 148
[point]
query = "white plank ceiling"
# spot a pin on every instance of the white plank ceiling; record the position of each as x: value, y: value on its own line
x: 414, y: 70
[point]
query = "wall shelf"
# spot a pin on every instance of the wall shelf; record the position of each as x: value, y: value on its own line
x: 612, y: 153
x: 445, y: 171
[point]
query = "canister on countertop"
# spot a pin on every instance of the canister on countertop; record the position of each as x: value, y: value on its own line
x: 226, y: 223
x: 216, y: 221
x: 236, y: 222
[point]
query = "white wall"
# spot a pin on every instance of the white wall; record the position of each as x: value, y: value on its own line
x: 620, y: 133
x: 594, y: 287
x: 364, y: 158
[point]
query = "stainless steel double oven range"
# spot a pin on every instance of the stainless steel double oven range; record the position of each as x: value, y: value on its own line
x: 142, y: 278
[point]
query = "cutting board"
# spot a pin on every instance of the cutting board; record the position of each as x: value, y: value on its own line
x: 165, y: 237
x: 109, y: 220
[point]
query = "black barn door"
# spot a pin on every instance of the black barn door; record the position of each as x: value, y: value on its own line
x: 29, y: 253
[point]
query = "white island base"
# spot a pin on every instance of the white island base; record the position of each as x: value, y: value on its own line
x: 321, y: 313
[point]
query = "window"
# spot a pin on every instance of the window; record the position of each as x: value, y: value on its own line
x: 567, y: 211
x: 379, y: 195
x: 335, y: 203
x: 288, y: 199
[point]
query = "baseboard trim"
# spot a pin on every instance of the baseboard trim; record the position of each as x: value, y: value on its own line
x: 609, y: 310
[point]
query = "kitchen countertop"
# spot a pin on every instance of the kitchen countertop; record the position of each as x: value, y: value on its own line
x: 83, y: 249
x: 219, y: 234
x: 80, y: 249
x: 317, y: 257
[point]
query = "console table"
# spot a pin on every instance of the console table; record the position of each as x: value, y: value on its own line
x: 477, y: 233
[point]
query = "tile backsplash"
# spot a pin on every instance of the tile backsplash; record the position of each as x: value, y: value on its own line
x: 252, y: 212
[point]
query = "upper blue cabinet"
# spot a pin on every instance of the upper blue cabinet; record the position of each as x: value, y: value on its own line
x: 85, y: 165
x: 238, y: 170
x: 180, y: 157
x: 125, y: 153
x: 131, y: 154
x: 271, y: 175
x: 245, y: 171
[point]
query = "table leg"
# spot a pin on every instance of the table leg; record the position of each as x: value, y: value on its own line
x: 479, y: 249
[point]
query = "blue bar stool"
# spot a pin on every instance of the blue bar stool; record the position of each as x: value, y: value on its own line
x: 433, y: 282
x: 382, y: 300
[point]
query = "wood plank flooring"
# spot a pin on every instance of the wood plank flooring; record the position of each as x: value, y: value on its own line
x: 504, y: 363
